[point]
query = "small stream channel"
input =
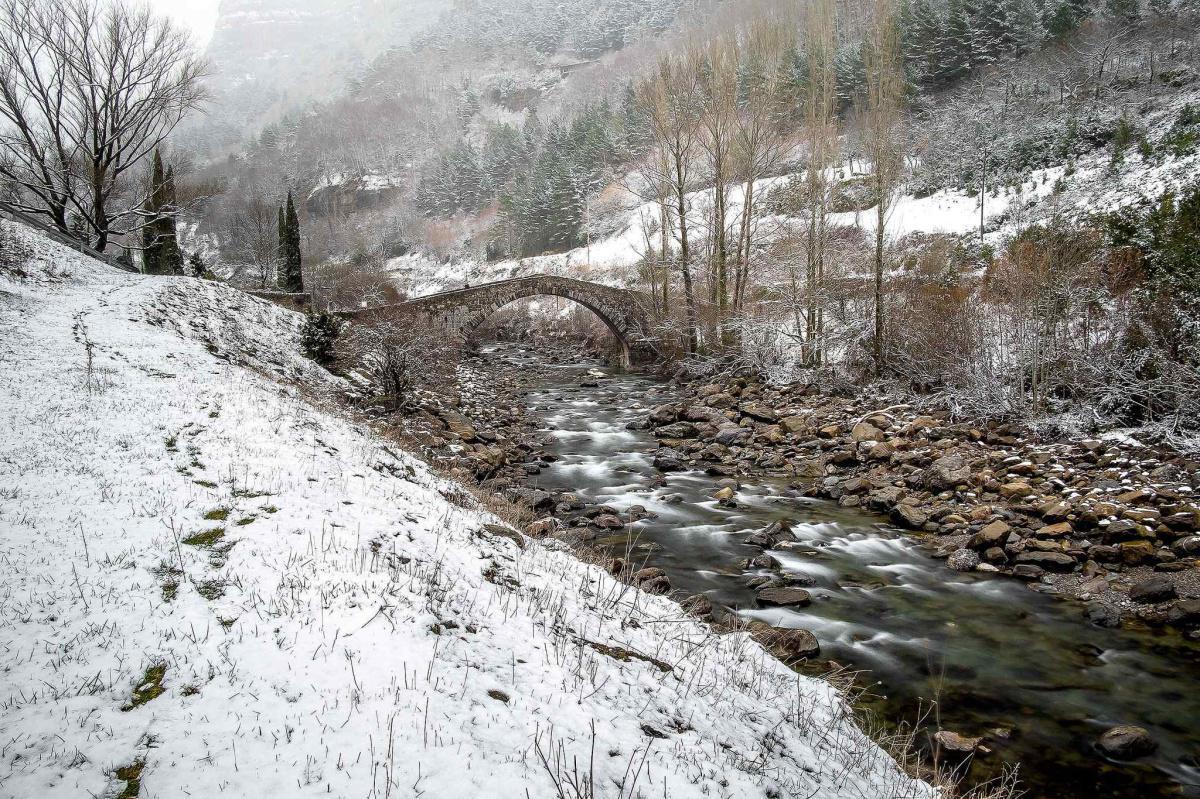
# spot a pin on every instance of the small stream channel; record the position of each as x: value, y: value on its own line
x: 992, y: 652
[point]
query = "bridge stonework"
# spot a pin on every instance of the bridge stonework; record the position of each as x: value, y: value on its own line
x: 461, y: 311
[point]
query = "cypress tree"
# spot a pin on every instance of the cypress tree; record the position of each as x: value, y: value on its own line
x: 292, y: 277
x: 170, y: 258
x: 155, y: 200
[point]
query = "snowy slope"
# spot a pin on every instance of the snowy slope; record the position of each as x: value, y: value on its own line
x: 340, y: 627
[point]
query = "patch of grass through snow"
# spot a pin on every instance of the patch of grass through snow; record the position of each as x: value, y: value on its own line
x: 131, y: 775
x: 150, y: 688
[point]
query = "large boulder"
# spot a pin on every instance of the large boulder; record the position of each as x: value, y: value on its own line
x: 789, y: 646
x: 1126, y: 742
x: 1158, y: 588
x: 947, y: 472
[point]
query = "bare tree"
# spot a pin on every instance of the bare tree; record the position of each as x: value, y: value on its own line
x: 668, y: 99
x: 88, y: 91
x: 820, y: 37
x: 884, y: 140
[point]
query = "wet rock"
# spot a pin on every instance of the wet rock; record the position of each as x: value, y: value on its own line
x: 1187, y: 547
x: 784, y: 596
x: 1102, y: 615
x: 1126, y: 742
x: 698, y: 605
x: 910, y: 516
x: 676, y: 430
x: 668, y: 460
x: 608, y: 521
x: 790, y: 646
x: 963, y: 560
x: 724, y: 494
x: 1185, y: 613
x: 763, y: 561
x: 1153, y: 589
x: 1028, y: 571
x: 1050, y: 561
x: 953, y: 742
x: 663, y: 414
x: 769, y: 536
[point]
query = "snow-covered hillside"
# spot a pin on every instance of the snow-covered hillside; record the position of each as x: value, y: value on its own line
x: 213, y: 584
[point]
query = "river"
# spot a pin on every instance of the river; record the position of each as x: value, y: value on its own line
x: 994, y: 654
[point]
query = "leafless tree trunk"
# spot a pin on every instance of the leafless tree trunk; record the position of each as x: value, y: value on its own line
x: 89, y: 90
x: 669, y: 101
x: 821, y: 129
x: 882, y: 126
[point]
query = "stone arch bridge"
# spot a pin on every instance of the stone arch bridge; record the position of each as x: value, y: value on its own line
x: 460, y: 311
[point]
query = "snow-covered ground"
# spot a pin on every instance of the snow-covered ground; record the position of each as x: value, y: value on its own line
x: 207, y: 572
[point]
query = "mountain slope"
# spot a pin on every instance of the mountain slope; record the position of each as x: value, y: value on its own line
x: 214, y: 584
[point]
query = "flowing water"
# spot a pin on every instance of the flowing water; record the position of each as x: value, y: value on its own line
x: 992, y: 652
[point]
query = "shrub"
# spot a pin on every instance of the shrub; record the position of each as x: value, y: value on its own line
x: 319, y: 335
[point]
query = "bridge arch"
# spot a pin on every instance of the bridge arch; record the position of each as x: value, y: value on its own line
x: 463, y: 310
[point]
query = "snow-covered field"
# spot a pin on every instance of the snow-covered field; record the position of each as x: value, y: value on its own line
x: 212, y: 581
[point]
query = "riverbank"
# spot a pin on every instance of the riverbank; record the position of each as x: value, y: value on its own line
x: 1108, y: 521
x: 1019, y: 676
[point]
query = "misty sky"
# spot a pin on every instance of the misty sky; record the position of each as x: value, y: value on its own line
x: 198, y: 16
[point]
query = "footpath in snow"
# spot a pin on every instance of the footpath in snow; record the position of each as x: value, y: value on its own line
x: 212, y: 584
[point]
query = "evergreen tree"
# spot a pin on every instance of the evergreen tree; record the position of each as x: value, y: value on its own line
x: 1025, y: 25
x: 160, y: 249
x: 291, y: 279
x: 281, y: 244
x: 957, y: 46
x: 170, y: 257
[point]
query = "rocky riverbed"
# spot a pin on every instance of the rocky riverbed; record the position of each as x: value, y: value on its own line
x: 1108, y: 521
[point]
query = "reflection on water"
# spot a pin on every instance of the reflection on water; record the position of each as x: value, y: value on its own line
x: 994, y: 653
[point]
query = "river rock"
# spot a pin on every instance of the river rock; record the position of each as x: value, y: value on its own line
x: 991, y: 535
x: 865, y: 431
x: 1102, y: 615
x: 910, y: 516
x: 1126, y: 742
x: 676, y: 430
x: 784, y: 596
x: 608, y: 521
x: 789, y: 646
x: 731, y: 434
x: 947, y: 472
x: 759, y: 411
x: 1187, y: 547
x: 769, y: 536
x: 652, y: 580
x: 1050, y: 561
x: 953, y: 742
x: 1185, y: 613
x: 1153, y: 589
x: 663, y: 414
x: 668, y: 460
x: 963, y: 560
x: 698, y: 605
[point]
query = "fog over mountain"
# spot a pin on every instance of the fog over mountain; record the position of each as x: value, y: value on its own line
x: 271, y: 56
